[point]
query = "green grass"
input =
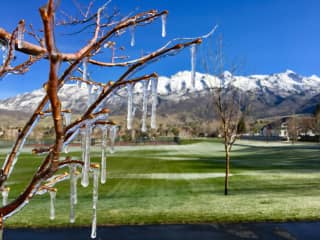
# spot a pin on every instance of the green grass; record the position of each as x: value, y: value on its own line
x: 268, y: 183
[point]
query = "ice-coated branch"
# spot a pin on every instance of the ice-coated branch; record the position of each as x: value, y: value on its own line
x: 140, y: 18
x: 95, y: 42
x: 8, y: 49
x: 145, y: 58
x: 65, y: 131
x: 87, y: 81
x: 47, y: 15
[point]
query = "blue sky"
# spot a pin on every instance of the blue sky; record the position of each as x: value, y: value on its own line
x: 268, y: 36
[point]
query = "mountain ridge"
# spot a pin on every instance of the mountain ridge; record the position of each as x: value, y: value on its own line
x: 275, y: 90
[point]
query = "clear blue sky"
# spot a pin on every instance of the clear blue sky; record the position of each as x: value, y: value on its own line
x: 268, y: 35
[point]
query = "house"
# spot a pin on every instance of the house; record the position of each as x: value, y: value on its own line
x: 11, y: 132
x: 283, y: 131
x: 291, y: 127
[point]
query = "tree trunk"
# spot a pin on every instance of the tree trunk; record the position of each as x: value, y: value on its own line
x: 226, y: 179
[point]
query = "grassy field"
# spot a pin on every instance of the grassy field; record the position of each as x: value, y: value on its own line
x: 184, y: 184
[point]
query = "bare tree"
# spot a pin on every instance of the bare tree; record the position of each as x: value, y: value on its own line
x: 317, y: 121
x: 293, y: 128
x: 64, y: 67
x: 229, y: 103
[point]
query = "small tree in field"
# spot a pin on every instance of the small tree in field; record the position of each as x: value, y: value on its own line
x: 105, y: 29
x: 230, y: 105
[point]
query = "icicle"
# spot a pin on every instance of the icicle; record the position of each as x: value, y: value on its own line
x: 144, y: 105
x: 113, y: 136
x: 84, y: 69
x: 67, y: 118
x: 72, y: 213
x: 90, y: 94
x: 164, y: 23
x: 73, y: 196
x: 95, y: 187
x: 94, y: 224
x: 154, y: 89
x: 83, y: 142
x: 134, y: 112
x: 20, y: 34
x: 4, y: 49
x: 193, y: 50
x: 94, y: 202
x: 66, y: 149
x: 132, y: 33
x: 103, y: 154
x: 5, y: 194
x: 94, y: 95
x: 100, y: 106
x: 75, y: 199
x: 86, y: 166
x: 52, y: 201
x: 130, y: 105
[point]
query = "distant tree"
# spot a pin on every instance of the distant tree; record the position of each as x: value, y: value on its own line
x: 175, y: 131
x: 317, y: 121
x: 306, y: 124
x: 293, y: 129
x: 242, y: 126
x: 161, y: 129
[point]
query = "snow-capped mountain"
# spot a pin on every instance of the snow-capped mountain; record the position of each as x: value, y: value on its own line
x: 270, y: 90
x: 281, y: 84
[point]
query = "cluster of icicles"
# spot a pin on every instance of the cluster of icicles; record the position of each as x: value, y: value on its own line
x: 145, y: 95
x: 193, y: 47
x: 163, y: 31
x: 4, y: 45
x: 108, y: 132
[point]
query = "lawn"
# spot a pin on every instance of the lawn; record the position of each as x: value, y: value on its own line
x: 184, y: 184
